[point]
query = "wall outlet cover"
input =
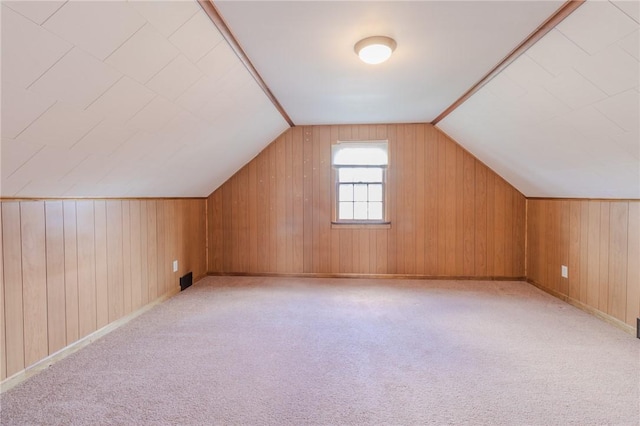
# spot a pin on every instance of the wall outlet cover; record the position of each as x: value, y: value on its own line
x: 564, y: 271
x: 175, y: 266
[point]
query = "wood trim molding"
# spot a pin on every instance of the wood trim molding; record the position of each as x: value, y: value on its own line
x: 586, y: 308
x: 212, y: 11
x: 565, y: 10
x: 367, y: 276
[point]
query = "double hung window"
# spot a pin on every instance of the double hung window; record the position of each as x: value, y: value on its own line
x: 360, y: 181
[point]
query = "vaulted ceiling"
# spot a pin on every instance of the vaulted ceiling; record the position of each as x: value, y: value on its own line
x: 114, y: 98
x: 563, y: 120
x: 146, y: 98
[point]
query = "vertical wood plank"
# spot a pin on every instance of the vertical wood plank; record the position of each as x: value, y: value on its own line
x: 633, y: 266
x: 603, y: 280
x: 491, y: 218
x: 469, y: 172
x: 459, y: 194
x: 392, y: 199
x: 481, y: 221
x: 115, y: 284
x: 56, y: 298
x: 3, y: 340
x: 34, y: 281
x: 420, y: 194
x: 520, y: 233
x: 499, y: 228
x: 325, y: 212
x: 618, y: 250
x: 161, y: 259
x: 144, y: 253
x: 216, y: 231
x: 273, y: 208
x: 442, y: 206
x: 13, y: 301
x: 152, y: 249
x: 71, y: 271
x: 87, y: 268
x: 508, y: 244
x: 290, y: 231
x: 102, y: 271
x: 431, y: 215
x: 136, y: 254
x: 126, y: 258
x: 563, y: 247
x: 281, y: 205
x: 584, y: 249
x: 307, y: 165
x: 409, y: 208
x: 252, y: 208
x: 593, y: 273
x: 575, y: 225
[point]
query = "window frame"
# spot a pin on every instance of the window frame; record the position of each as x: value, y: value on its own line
x: 335, y: 192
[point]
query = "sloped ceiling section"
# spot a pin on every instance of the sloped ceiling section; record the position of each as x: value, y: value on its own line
x: 114, y: 98
x: 563, y: 119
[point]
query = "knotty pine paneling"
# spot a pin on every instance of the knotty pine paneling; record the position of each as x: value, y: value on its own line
x: 71, y: 267
x: 599, y: 241
x: 450, y: 215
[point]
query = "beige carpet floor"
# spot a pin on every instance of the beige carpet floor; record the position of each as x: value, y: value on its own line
x: 258, y: 351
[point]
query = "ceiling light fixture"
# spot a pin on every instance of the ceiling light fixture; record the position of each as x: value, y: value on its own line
x: 376, y: 49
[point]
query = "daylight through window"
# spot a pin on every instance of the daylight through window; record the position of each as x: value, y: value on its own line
x: 360, y: 181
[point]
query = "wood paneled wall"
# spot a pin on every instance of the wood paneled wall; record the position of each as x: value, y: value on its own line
x: 599, y: 241
x: 450, y: 215
x: 70, y: 267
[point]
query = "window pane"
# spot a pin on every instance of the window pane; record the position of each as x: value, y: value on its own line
x: 346, y: 192
x: 375, y: 192
x: 360, y: 211
x: 345, y: 174
x: 345, y: 211
x: 375, y: 211
x: 373, y: 175
x: 360, y: 192
x: 359, y: 174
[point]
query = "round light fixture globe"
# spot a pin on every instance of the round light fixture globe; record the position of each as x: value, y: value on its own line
x: 375, y: 50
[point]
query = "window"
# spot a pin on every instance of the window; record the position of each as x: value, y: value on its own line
x: 360, y: 172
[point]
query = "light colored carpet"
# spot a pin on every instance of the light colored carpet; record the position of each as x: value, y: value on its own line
x: 254, y: 351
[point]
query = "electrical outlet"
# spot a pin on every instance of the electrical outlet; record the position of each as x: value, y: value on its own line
x: 175, y: 266
x: 564, y: 271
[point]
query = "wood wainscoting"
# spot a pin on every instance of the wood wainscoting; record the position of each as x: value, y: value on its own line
x: 71, y: 267
x: 450, y: 215
x: 599, y: 241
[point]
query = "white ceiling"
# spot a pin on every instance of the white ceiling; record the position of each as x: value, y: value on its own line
x: 563, y: 120
x: 115, y: 98
x: 304, y: 52
x: 145, y: 98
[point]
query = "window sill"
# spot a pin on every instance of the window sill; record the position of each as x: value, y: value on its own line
x: 361, y: 225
